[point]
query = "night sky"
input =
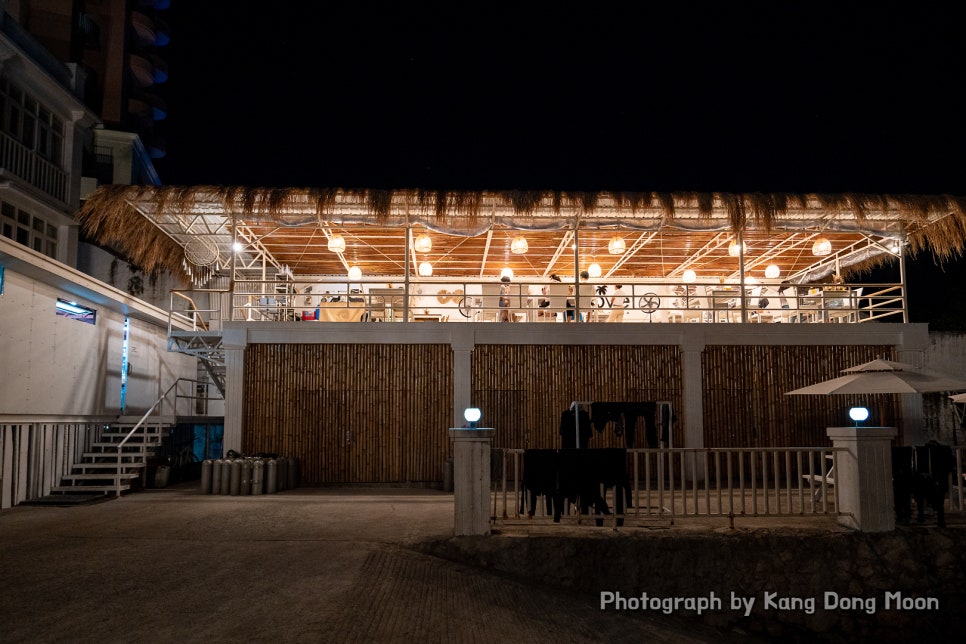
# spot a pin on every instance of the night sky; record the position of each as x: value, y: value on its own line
x: 551, y: 96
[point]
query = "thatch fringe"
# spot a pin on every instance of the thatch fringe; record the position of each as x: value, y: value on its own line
x: 109, y: 216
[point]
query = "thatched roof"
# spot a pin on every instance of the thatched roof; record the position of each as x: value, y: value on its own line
x: 151, y: 225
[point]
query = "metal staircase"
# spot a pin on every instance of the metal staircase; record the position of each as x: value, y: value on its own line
x: 117, y: 458
x: 118, y: 454
x: 198, y: 334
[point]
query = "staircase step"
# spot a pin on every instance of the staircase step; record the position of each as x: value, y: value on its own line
x: 127, y: 445
x: 100, y: 477
x: 113, y: 455
x: 89, y: 488
x: 107, y: 465
x: 151, y: 434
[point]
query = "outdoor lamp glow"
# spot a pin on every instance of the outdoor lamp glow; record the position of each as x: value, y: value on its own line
x: 237, y: 246
x: 336, y: 244
x: 472, y: 416
x: 859, y: 414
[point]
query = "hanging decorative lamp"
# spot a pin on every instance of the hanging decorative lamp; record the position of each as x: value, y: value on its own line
x: 355, y: 273
x: 506, y: 272
x: 423, y: 243
x: 735, y: 250
x: 425, y: 269
x: 519, y: 245
x: 616, y: 245
x: 336, y: 243
x: 689, y: 277
x: 821, y: 247
x: 772, y: 271
x: 594, y: 270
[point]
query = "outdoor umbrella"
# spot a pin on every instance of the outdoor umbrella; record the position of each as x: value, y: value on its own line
x: 884, y: 377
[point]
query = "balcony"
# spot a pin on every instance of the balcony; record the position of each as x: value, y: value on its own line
x: 19, y: 160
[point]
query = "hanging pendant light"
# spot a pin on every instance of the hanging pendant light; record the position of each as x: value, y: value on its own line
x: 336, y: 244
x: 425, y: 269
x: 355, y: 273
x: 821, y: 247
x: 506, y: 272
x: 689, y: 277
x: 594, y: 270
x: 423, y: 244
x: 735, y: 250
x: 519, y: 245
x: 616, y: 245
x: 772, y: 271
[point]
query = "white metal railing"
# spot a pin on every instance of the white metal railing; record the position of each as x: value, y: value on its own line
x: 670, y: 484
x: 542, y: 300
x: 32, y: 168
x: 37, y: 451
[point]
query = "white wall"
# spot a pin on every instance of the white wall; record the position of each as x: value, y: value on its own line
x: 53, y: 365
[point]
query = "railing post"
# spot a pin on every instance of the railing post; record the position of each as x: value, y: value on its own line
x: 471, y: 480
x: 863, y: 477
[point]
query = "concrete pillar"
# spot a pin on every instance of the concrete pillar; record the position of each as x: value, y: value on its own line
x: 863, y: 477
x: 471, y: 480
x: 693, y: 372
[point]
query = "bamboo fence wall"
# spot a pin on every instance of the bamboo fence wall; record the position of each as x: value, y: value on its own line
x: 378, y: 413
x: 523, y: 389
x: 351, y: 412
x: 745, y: 405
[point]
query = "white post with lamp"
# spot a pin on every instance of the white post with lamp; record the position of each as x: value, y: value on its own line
x: 471, y: 476
x: 863, y: 474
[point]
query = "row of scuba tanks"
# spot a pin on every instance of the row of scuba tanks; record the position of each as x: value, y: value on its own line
x: 243, y: 476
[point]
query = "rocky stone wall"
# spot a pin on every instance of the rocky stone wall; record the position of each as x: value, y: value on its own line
x: 793, y: 584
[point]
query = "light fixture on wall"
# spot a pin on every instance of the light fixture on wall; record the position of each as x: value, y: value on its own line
x: 519, y: 245
x: 423, y: 244
x: 772, y: 271
x: 616, y: 245
x: 689, y: 277
x: 594, y: 270
x: 425, y: 269
x: 336, y: 244
x: 506, y: 272
x: 821, y: 247
x: 355, y: 273
x: 735, y: 250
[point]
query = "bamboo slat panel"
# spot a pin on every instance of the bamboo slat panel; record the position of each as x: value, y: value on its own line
x: 522, y: 390
x: 745, y: 405
x: 351, y: 413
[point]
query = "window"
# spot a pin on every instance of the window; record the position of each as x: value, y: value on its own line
x: 75, y: 311
x: 29, y: 123
x: 29, y: 230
